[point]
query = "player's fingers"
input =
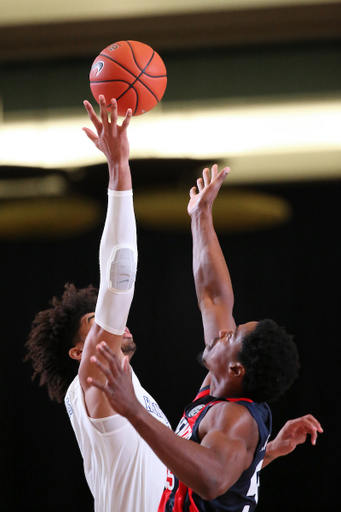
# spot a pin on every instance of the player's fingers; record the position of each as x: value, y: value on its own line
x: 92, y: 136
x: 193, y: 192
x: 214, y: 172
x: 306, y: 425
x: 104, y: 369
x: 206, y: 176
x: 127, y: 118
x: 312, y: 428
x: 218, y: 179
x: 313, y: 436
x: 97, y: 384
x: 224, y: 172
x: 200, y: 184
x: 113, y: 112
x: 314, y: 422
x: 105, y: 347
x: 300, y: 438
x: 93, y: 117
x: 110, y: 356
x: 125, y: 364
x: 222, y: 175
x: 308, y: 421
x: 89, y: 108
x: 103, y: 111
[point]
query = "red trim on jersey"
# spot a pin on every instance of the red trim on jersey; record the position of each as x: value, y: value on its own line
x: 164, y: 498
x: 180, y: 495
x: 192, y: 507
x: 239, y: 399
x: 206, y: 391
x: 203, y: 392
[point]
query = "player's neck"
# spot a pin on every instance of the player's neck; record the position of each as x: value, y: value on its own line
x: 224, y: 388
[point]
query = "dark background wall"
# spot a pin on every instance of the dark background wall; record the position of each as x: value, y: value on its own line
x: 290, y: 273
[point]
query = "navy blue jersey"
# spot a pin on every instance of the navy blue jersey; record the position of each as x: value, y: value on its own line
x: 243, y: 495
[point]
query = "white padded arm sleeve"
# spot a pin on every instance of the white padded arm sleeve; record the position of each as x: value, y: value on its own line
x: 118, y: 262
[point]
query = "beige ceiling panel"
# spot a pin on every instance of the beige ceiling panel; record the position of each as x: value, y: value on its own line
x: 16, y: 12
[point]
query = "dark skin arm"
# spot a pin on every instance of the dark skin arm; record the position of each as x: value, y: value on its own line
x: 211, y: 275
x: 228, y: 433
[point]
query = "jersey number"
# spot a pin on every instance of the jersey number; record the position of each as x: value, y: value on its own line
x: 254, y: 486
x: 170, y: 481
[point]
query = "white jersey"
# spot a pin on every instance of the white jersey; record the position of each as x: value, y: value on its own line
x: 122, y: 471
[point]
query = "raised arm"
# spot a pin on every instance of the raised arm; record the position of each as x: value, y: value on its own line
x: 118, y: 251
x: 212, y: 279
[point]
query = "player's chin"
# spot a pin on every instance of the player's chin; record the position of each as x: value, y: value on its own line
x: 128, y: 346
x: 201, y: 359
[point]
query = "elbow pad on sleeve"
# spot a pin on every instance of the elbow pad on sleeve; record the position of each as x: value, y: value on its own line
x: 121, y: 271
x: 118, y: 263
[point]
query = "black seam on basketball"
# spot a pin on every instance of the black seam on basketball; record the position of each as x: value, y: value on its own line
x: 113, y: 80
x: 155, y: 76
x: 128, y: 70
x: 143, y: 70
x: 123, y: 93
x: 132, y: 74
x: 125, y: 82
x: 137, y: 97
x: 132, y: 51
x: 118, y: 63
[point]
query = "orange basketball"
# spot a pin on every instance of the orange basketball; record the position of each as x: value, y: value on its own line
x: 132, y: 73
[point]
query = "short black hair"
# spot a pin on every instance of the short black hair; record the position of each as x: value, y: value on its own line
x: 53, y: 334
x: 270, y: 358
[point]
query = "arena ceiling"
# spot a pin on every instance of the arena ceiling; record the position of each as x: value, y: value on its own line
x: 47, y: 32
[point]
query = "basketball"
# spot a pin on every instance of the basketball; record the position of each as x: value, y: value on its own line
x: 132, y: 73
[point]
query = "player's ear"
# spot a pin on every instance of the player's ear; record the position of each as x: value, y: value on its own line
x: 76, y: 352
x: 224, y: 332
x: 237, y: 369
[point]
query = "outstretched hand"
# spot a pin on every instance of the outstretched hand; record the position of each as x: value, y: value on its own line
x: 119, y: 388
x: 293, y: 433
x: 110, y: 138
x: 207, y: 189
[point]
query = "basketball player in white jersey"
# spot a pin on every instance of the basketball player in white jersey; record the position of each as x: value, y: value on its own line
x: 122, y: 471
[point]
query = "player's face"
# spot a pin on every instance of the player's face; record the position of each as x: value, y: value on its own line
x: 128, y: 346
x: 224, y: 349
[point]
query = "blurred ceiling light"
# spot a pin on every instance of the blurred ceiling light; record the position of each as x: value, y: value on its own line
x: 33, y: 187
x: 21, y: 11
x: 234, y: 210
x: 48, y: 217
x: 215, y: 131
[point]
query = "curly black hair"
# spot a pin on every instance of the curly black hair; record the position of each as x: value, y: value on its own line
x: 53, y: 333
x: 270, y: 359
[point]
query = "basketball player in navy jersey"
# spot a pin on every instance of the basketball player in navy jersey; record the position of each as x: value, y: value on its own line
x: 229, y: 422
